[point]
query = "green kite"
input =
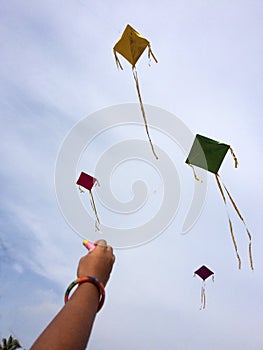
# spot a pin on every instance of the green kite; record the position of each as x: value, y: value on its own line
x: 209, y: 155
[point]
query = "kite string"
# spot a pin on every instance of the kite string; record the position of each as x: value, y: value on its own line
x: 243, y: 221
x: 229, y: 221
x: 142, y: 109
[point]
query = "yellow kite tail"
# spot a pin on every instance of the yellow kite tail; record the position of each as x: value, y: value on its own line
x: 229, y: 221
x: 243, y: 221
x: 142, y: 109
x: 118, y: 63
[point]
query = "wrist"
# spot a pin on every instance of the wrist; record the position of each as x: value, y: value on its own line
x: 88, y: 281
x: 87, y: 292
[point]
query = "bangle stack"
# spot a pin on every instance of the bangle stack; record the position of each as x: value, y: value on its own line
x: 88, y: 279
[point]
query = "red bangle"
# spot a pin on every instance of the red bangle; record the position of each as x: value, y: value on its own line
x: 88, y: 279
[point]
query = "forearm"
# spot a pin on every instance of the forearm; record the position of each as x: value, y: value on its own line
x: 71, y: 328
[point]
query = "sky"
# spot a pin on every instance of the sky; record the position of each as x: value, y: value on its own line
x: 57, y: 67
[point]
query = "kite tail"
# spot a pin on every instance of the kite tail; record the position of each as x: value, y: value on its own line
x: 203, y: 297
x: 195, y: 175
x: 229, y: 221
x: 97, y: 222
x: 243, y: 221
x: 234, y: 156
x: 250, y: 255
x: 142, y: 109
x: 150, y: 53
x: 118, y: 63
x: 234, y: 242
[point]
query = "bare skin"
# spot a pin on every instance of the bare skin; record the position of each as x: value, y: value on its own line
x: 72, y: 326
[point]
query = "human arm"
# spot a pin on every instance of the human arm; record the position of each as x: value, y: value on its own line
x: 72, y: 326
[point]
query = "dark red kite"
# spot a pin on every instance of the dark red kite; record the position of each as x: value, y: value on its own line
x: 87, y: 181
x: 204, y: 272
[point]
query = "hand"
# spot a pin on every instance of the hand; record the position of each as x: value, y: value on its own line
x: 98, y: 263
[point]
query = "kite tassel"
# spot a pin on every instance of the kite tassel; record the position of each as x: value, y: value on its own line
x: 96, y: 183
x: 250, y: 256
x: 195, y: 175
x: 150, y: 53
x: 142, y: 109
x: 118, y: 63
x: 81, y: 190
x: 234, y: 156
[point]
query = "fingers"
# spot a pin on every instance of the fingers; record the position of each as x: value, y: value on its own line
x: 102, y: 243
x: 98, y: 262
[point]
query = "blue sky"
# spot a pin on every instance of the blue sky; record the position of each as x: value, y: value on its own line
x: 57, y: 67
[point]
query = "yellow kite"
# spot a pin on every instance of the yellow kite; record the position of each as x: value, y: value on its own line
x: 131, y: 46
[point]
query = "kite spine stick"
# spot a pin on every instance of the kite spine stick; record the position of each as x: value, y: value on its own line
x: 234, y: 156
x: 142, y: 109
x: 229, y: 221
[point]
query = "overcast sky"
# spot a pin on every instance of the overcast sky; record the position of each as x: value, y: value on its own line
x: 57, y: 67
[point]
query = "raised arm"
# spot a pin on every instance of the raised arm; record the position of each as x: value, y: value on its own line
x: 72, y: 326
